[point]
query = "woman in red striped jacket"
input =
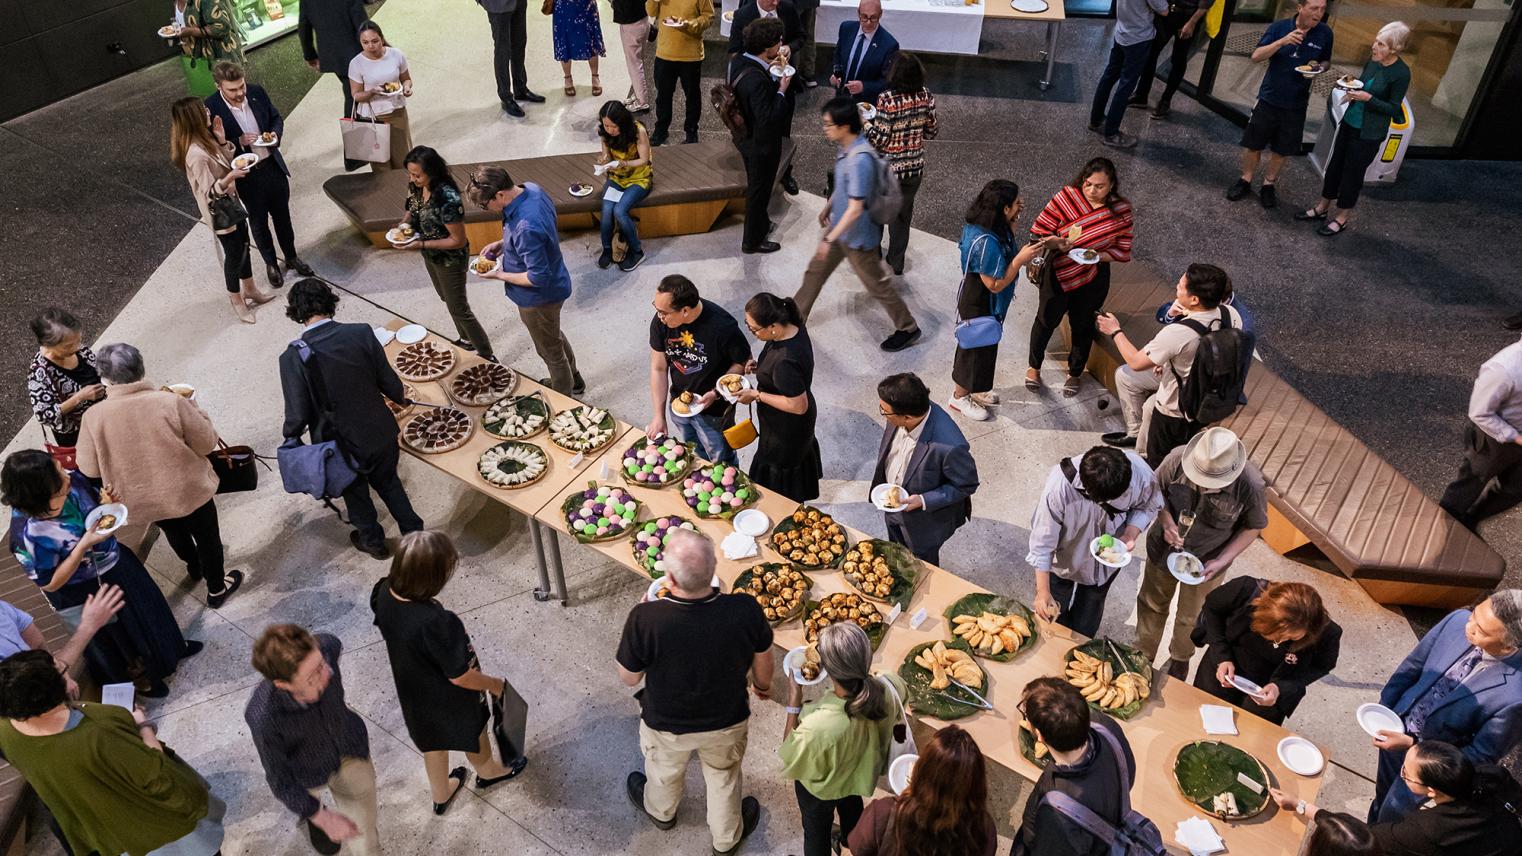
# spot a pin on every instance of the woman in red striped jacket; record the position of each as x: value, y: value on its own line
x: 1089, y: 215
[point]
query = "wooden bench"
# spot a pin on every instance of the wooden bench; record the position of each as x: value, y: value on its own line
x: 693, y: 186
x: 1326, y: 488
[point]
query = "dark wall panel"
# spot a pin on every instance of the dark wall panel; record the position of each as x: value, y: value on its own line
x: 24, y: 83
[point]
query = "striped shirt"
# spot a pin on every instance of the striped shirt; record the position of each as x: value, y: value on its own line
x: 1104, y: 230
x: 903, y: 124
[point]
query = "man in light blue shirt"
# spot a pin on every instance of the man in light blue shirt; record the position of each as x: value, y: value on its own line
x: 1134, y: 29
x: 850, y: 234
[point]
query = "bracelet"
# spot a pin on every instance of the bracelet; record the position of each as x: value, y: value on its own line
x: 794, y: 711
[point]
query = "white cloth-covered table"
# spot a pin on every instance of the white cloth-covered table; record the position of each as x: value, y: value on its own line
x: 932, y: 26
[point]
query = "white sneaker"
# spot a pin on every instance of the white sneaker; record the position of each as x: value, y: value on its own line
x: 987, y: 399
x: 969, y: 408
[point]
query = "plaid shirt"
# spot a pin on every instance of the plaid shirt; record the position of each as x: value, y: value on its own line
x: 903, y: 124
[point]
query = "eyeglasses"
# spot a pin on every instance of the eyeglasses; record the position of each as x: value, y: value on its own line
x: 885, y: 412
x: 867, y: 19
x: 664, y: 313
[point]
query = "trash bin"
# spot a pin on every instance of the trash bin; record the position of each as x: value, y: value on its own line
x: 1392, y: 152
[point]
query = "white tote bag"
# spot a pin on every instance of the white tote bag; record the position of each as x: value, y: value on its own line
x: 366, y: 140
x: 898, y: 748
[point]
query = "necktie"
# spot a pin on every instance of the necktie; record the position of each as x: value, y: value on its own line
x: 1450, y: 680
x: 858, y: 51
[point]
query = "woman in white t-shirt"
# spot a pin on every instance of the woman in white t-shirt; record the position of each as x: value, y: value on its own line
x: 381, y: 84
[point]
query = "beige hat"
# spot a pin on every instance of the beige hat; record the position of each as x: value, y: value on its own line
x: 1214, y: 458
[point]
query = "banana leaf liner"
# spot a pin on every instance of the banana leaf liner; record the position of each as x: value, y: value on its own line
x: 1134, y: 661
x: 532, y: 403
x: 936, y: 703
x: 755, y: 571
x: 574, y: 501
x: 608, y: 424
x: 1205, y: 768
x: 671, y: 478
x: 908, y: 572
x: 981, y: 602
x: 645, y: 561
x: 1028, y: 748
x: 742, y: 482
x: 788, y: 524
x: 875, y: 634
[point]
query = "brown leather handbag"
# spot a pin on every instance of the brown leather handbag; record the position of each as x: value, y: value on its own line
x: 235, y: 467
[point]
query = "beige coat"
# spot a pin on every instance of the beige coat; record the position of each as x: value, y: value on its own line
x: 203, y: 169
x: 149, y: 447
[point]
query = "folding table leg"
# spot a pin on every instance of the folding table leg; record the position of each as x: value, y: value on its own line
x: 1050, y: 54
x: 555, y: 563
x: 542, y: 591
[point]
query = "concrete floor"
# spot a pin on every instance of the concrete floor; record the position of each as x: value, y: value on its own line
x: 582, y: 731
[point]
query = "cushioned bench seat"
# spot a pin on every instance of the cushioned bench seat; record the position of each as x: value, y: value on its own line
x: 1326, y: 487
x: 693, y: 185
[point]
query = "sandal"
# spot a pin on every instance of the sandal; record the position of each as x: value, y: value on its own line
x: 1332, y: 227
x: 1071, y: 385
x: 596, y: 85
x: 1032, y: 380
x: 570, y: 86
x: 1311, y: 214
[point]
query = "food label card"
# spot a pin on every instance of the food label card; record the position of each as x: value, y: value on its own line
x: 898, y: 609
x: 1249, y: 783
x: 917, y: 618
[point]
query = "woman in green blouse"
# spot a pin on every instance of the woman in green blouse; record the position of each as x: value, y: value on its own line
x: 1370, y: 110
x: 211, y: 32
x: 101, y: 770
x: 836, y: 747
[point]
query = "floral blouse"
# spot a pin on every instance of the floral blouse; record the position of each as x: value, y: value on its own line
x: 48, y: 386
x: 41, y: 545
x: 431, y: 219
x: 224, y: 39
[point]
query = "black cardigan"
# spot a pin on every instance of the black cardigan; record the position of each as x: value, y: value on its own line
x: 1466, y: 828
x: 1226, y: 627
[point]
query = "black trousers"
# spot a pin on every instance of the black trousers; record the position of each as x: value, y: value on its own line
x: 1166, y: 433
x: 343, y: 80
x: 899, y: 535
x: 1080, y: 305
x: 898, y: 227
x: 667, y: 74
x: 266, y: 193
x: 197, y: 539
x: 760, y: 176
x: 236, y: 264
x: 509, y: 38
x: 1083, y: 607
x: 1490, y: 478
x: 1167, y: 29
x: 819, y: 816
x: 380, y: 473
x: 1350, y: 157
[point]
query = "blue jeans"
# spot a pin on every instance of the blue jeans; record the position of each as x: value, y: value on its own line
x: 706, y: 432
x: 620, y: 211
x: 1117, y: 83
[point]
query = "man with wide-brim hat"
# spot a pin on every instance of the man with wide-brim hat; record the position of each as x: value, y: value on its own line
x: 1214, y: 506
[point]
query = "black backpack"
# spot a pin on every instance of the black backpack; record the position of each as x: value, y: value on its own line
x: 726, y: 103
x: 1217, y: 379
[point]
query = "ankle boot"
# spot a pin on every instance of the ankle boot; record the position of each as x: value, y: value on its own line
x: 254, y: 293
x: 240, y: 308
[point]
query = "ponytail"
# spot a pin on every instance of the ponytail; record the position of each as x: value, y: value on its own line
x: 846, y: 654
x: 767, y: 309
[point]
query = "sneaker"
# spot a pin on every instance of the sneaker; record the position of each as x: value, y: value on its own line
x: 631, y: 260
x: 232, y: 584
x: 1268, y: 197
x: 605, y: 260
x: 1120, y: 140
x: 750, y: 816
x: 375, y: 551
x: 1238, y: 190
x: 987, y: 399
x: 901, y: 339
x: 1119, y: 439
x: 634, y: 787
x: 969, y: 408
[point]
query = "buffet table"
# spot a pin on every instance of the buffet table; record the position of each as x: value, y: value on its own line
x: 1168, y: 720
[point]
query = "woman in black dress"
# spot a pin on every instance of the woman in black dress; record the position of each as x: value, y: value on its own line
x: 787, y: 457
x: 438, y: 679
x: 990, y: 265
x: 1276, y: 635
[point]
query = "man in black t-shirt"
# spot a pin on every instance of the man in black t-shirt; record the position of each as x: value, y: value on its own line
x: 693, y: 343
x: 694, y: 651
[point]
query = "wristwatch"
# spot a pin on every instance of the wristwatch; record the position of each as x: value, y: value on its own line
x: 793, y: 710
x: 1300, y: 807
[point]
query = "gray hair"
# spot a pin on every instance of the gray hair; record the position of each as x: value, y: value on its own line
x: 845, y: 652
x: 1507, y: 604
x: 119, y: 363
x: 1395, y: 35
x: 53, y: 325
x: 690, y: 560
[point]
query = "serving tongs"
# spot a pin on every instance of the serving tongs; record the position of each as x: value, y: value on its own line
x: 980, y: 703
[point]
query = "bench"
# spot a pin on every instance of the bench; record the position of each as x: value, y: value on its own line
x: 1326, y: 488
x: 694, y: 184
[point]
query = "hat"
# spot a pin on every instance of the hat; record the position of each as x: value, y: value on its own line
x: 1214, y: 458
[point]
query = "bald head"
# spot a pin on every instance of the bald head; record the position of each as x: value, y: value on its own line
x: 870, y: 14
x: 690, y: 561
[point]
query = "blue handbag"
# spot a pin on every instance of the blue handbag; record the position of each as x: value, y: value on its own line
x: 977, y: 332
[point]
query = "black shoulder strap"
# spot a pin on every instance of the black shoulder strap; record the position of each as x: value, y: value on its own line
x: 1071, y: 474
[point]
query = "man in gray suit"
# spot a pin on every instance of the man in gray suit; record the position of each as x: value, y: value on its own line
x: 335, y: 23
x: 924, y: 453
x: 509, y: 38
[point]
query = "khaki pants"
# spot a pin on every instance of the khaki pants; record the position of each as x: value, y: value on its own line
x: 401, y: 140
x: 1152, y: 601
x: 543, y: 324
x: 720, y: 753
x: 1137, y: 392
x: 634, y: 37
x: 872, y: 272
x: 353, y: 790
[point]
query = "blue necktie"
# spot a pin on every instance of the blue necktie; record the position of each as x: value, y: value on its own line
x: 857, y: 52
x: 1443, y: 687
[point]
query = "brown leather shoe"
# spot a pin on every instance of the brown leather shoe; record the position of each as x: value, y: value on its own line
x: 1178, y: 669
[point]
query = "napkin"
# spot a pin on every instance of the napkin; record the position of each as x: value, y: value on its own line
x: 600, y: 168
x: 738, y: 545
x: 1218, y: 719
x: 1199, y: 836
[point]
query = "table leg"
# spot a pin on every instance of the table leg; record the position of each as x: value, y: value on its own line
x: 542, y: 591
x: 555, y: 563
x: 1050, y: 54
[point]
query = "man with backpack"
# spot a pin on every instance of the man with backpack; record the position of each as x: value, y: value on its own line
x: 865, y: 196
x: 766, y: 113
x: 1081, y: 805
x: 1209, y: 337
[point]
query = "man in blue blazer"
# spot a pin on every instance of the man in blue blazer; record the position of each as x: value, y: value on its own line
x: 924, y: 453
x: 247, y: 112
x: 1462, y: 685
x: 864, y: 54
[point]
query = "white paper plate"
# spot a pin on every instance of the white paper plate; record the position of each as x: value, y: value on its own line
x: 1030, y: 7
x: 899, y: 772
x: 386, y: 88
x: 697, y: 406
x: 670, y: 23
x: 383, y: 335
x: 729, y: 17
x: 115, y: 508
x: 169, y: 31
x: 868, y: 112
x: 782, y: 71
x: 1349, y: 87
x: 496, y: 265
x: 263, y: 145
x: 585, y: 191
x: 745, y: 383
x: 1312, y: 73
x: 247, y: 160
x: 1374, y: 718
x: 656, y: 585
x: 752, y: 522
x: 1094, y: 551
x: 880, y: 498
x: 397, y: 240
x: 1246, y: 686
x: 794, y: 661
x: 177, y: 387
x: 1301, y: 756
x: 1175, y: 566
x: 412, y: 334
x: 1078, y: 254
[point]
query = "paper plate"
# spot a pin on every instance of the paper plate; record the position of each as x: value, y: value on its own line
x: 1354, y: 86
x: 1246, y: 686
x: 697, y: 406
x: 1301, y: 756
x: 781, y: 71
x: 733, y: 397
x: 496, y: 265
x: 657, y: 585
x: 246, y: 160
x: 1374, y: 718
x: 412, y: 334
x: 880, y: 498
x: 169, y: 31
x: 752, y: 522
x: 868, y: 112
x: 1094, y: 551
x: 1080, y: 255
x: 1176, y: 566
x: 261, y: 144
x: 899, y: 772
x: 184, y: 390
x: 585, y: 190
x: 671, y: 23
x: 396, y: 240
x: 383, y: 335
x: 115, y: 508
x: 729, y: 17
x: 1030, y: 7
x: 793, y: 661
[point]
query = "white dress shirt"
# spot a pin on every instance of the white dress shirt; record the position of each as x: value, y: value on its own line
x: 244, y: 114
x: 901, y: 449
x: 1495, y: 406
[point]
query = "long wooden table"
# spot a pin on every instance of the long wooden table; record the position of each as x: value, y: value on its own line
x: 1169, y: 720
